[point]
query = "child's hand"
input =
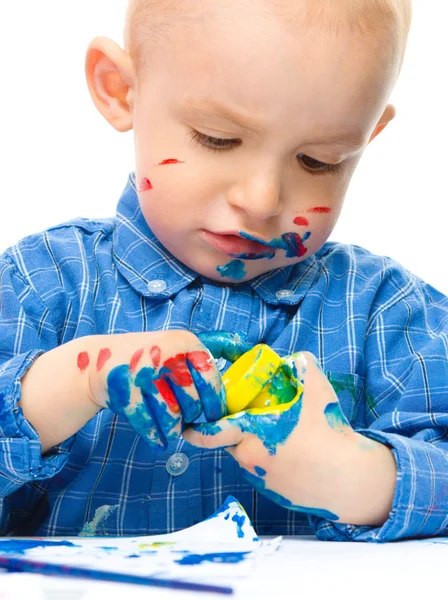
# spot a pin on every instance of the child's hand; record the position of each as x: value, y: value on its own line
x: 305, y: 458
x: 160, y: 380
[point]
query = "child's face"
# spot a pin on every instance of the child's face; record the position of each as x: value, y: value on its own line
x: 254, y: 111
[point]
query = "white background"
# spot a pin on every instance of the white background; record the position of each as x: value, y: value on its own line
x: 60, y: 159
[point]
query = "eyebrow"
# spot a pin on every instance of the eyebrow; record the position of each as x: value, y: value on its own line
x: 212, y: 108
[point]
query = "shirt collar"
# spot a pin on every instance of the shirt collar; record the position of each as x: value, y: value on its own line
x: 154, y: 272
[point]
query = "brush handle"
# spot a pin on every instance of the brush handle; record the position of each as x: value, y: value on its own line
x: 19, y: 565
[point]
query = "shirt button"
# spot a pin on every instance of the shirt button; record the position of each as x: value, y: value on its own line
x: 157, y: 285
x: 220, y: 363
x: 284, y: 294
x: 177, y: 464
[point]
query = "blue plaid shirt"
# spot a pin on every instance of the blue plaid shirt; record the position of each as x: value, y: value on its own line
x: 380, y: 333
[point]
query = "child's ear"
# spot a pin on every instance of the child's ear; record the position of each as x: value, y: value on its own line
x: 386, y: 118
x: 110, y: 77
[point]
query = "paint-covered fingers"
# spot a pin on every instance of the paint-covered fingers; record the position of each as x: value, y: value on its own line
x: 133, y: 398
x: 223, y: 344
x: 222, y: 434
x: 321, y: 407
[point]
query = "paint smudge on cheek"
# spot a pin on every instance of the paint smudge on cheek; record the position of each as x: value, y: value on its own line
x: 319, y: 210
x: 83, y: 361
x: 155, y: 354
x: 233, y: 270
x: 135, y: 360
x: 301, y: 222
x: 103, y: 356
x: 145, y: 185
x: 170, y: 161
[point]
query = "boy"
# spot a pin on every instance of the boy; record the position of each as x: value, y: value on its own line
x: 249, y: 121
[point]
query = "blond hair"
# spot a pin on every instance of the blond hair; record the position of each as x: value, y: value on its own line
x: 367, y: 19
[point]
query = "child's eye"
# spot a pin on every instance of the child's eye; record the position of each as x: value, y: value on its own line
x: 213, y: 143
x: 316, y: 167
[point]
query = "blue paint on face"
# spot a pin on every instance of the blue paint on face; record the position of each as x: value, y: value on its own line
x: 21, y: 546
x: 259, y: 471
x: 239, y: 520
x: 291, y: 242
x: 253, y: 256
x: 219, y: 557
x: 335, y: 417
x: 260, y: 485
x: 223, y: 344
x: 234, y: 270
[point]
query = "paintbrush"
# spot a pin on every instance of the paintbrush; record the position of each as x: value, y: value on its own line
x: 20, y: 565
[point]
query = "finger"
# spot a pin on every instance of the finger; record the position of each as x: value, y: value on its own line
x: 223, y: 344
x: 124, y: 399
x: 222, y: 434
x: 319, y: 397
x: 175, y: 383
x: 165, y: 411
x: 210, y: 389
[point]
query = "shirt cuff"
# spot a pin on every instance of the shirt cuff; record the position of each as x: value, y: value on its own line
x: 21, y: 457
x: 420, y: 504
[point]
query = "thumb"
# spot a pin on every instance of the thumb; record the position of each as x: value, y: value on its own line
x: 220, y: 434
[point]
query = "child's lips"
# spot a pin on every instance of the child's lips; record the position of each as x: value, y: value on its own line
x: 235, y: 245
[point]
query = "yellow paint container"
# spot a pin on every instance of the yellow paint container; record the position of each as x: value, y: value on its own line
x: 258, y: 381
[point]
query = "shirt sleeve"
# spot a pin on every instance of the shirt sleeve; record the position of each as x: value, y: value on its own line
x: 26, y: 332
x: 406, y: 409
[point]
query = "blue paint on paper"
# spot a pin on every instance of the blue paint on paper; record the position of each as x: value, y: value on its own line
x: 234, y: 270
x: 239, y: 520
x: 335, y: 417
x: 219, y: 557
x: 261, y: 472
x: 260, y: 485
x: 21, y: 546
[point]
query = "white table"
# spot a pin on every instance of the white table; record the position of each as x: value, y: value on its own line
x: 303, y: 568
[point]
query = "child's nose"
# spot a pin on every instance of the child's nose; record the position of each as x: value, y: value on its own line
x: 259, y: 195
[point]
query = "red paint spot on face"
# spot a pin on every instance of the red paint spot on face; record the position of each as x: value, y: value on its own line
x: 301, y: 222
x: 135, y: 360
x: 200, y: 360
x: 103, y: 357
x: 319, y: 209
x: 167, y: 394
x: 170, y: 161
x: 83, y: 361
x: 179, y: 372
x: 155, y: 356
x: 145, y: 185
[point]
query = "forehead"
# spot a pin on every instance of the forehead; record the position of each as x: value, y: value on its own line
x: 277, y: 74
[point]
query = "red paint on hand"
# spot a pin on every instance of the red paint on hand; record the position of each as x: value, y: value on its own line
x: 145, y: 185
x: 135, y: 360
x: 83, y: 361
x: 155, y: 354
x: 167, y: 394
x: 301, y: 222
x: 200, y: 360
x: 319, y: 210
x: 179, y: 372
x: 103, y: 357
x: 170, y: 161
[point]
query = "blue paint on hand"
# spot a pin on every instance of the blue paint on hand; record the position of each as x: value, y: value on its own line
x: 335, y: 417
x: 233, y: 270
x: 260, y: 485
x: 261, y: 472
